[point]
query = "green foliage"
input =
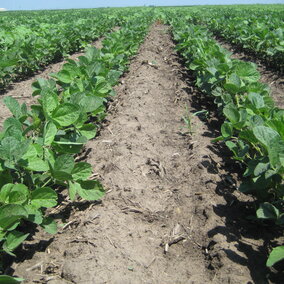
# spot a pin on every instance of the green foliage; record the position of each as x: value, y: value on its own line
x: 253, y: 127
x: 37, y: 145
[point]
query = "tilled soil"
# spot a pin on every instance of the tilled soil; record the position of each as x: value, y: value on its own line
x: 171, y: 213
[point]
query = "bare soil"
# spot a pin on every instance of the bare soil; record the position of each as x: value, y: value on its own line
x: 171, y: 213
x: 268, y: 75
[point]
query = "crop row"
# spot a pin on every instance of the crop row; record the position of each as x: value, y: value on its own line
x: 253, y: 128
x: 29, y: 44
x: 258, y: 32
x: 37, y: 145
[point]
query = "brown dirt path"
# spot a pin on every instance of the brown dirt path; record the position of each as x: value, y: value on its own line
x: 170, y: 215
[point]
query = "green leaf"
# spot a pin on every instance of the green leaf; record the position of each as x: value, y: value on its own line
x: 90, y: 190
x: 73, y: 189
x: 14, y: 194
x: 12, y: 121
x: 89, y: 131
x: 49, y: 225
x: 37, y: 164
x: 49, y: 133
x: 49, y: 102
x: 11, y: 149
x: 63, y: 167
x: 81, y: 171
x: 66, y: 114
x: 233, y: 83
x: 64, y: 163
x: 13, y: 240
x: 247, y: 71
x: 13, y: 106
x: 10, y: 214
x: 267, y: 211
x: 265, y: 134
x: 63, y: 76
x: 226, y: 130
x: 232, y: 113
x: 5, y: 279
x: 276, y: 255
x: 261, y: 168
x: 44, y: 197
x: 8, y: 62
x: 35, y: 214
x: 256, y: 100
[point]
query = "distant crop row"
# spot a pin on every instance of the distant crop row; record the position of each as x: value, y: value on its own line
x: 30, y: 41
x: 258, y: 32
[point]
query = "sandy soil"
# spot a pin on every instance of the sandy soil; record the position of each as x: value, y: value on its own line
x: 171, y: 213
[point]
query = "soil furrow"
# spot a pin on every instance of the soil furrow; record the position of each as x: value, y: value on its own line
x: 171, y: 213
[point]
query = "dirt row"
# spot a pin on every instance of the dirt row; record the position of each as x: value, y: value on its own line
x: 171, y: 213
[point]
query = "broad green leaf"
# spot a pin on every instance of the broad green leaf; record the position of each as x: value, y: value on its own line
x: 261, y: 168
x: 49, y: 133
x: 81, y: 171
x: 41, y: 85
x: 73, y: 189
x: 13, y: 106
x: 276, y: 255
x: 63, y: 167
x: 247, y: 71
x: 66, y: 114
x: 37, y: 164
x: 8, y: 62
x: 90, y: 190
x: 12, y: 149
x: 13, y: 131
x: 91, y: 103
x: 49, y: 102
x: 35, y: 214
x: 226, y: 130
x: 267, y: 211
x: 10, y: 214
x: 63, y: 76
x: 64, y: 163
x: 49, y: 225
x: 233, y: 83
x: 31, y: 152
x: 265, y: 134
x: 256, y: 100
x: 232, y: 113
x: 14, y: 194
x: 5, y: 279
x: 13, y: 240
x: 89, y: 131
x: 44, y: 197
x: 12, y: 121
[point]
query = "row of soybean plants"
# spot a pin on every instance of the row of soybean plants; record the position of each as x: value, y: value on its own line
x: 253, y: 129
x: 259, y: 32
x: 31, y: 40
x: 37, y: 145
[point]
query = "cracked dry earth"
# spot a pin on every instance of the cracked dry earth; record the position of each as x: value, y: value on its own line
x: 165, y: 218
